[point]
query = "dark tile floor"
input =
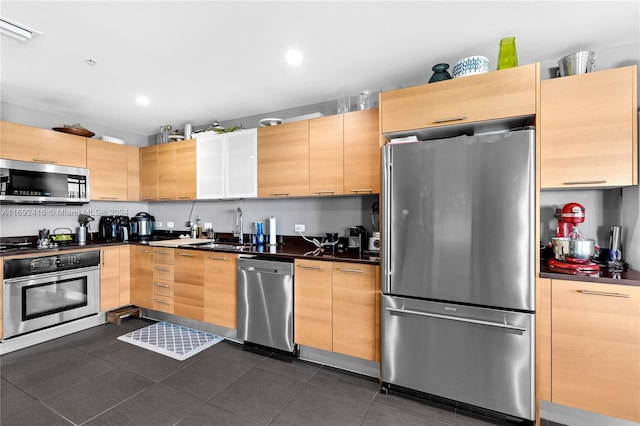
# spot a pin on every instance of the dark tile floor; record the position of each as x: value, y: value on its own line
x: 91, y: 378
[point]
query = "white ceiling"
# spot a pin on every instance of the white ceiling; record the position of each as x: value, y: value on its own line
x: 213, y: 60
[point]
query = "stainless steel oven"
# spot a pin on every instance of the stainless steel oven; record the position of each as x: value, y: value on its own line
x: 41, y: 292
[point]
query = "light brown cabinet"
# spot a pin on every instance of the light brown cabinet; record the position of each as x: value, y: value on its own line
x: 133, y: 173
x: 335, y: 307
x: 142, y: 276
x: 107, y: 163
x: 168, y: 171
x: 114, y: 277
x: 595, y: 347
x: 26, y: 143
x: 313, y: 304
x: 163, y: 279
x: 149, y: 173
x: 283, y: 160
x: 362, y: 152
x: 326, y: 155
x: 489, y: 96
x: 589, y: 130
x: 188, y: 291
x: 220, y: 275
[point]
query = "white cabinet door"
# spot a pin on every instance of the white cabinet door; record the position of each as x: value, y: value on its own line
x: 242, y: 164
x: 210, y: 166
x: 227, y: 165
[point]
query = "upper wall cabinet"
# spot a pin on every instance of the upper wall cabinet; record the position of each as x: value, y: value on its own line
x: 25, y: 143
x: 168, y: 171
x: 227, y: 165
x: 490, y: 96
x: 589, y: 130
x: 283, y: 160
x: 107, y: 163
x: 362, y: 152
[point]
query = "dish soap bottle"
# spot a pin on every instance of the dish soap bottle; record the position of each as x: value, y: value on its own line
x: 196, y: 229
x: 507, y: 57
x: 259, y: 234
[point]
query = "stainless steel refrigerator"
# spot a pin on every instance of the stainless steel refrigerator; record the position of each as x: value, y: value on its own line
x: 458, y: 284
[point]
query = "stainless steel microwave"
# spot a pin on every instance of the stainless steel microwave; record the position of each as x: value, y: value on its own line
x: 23, y: 182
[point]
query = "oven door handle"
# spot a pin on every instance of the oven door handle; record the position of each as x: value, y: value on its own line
x: 394, y: 311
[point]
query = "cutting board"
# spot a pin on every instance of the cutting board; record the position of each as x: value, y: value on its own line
x: 179, y: 242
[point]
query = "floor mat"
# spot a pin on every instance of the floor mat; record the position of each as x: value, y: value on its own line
x: 172, y: 340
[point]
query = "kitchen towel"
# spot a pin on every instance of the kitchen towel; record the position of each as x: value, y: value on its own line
x: 172, y: 340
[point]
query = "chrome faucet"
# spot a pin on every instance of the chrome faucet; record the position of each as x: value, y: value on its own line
x: 239, y: 228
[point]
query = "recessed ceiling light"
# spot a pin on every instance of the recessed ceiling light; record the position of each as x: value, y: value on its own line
x: 90, y: 62
x: 142, y: 100
x: 294, y: 57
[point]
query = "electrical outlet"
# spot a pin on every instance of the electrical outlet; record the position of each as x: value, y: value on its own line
x: 158, y: 224
x: 299, y: 227
x: 169, y: 225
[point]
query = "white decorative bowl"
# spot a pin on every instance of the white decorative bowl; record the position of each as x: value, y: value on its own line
x: 112, y: 140
x: 470, y: 65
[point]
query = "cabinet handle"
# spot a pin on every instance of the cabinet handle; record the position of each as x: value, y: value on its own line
x: 147, y: 199
x: 104, y: 257
x: 217, y: 258
x: 142, y: 251
x: 161, y: 269
x: 602, y: 293
x: 355, y: 271
x: 584, y: 182
x: 279, y: 194
x: 161, y: 252
x: 324, y: 192
x: 162, y: 302
x: 165, y: 198
x: 185, y: 254
x: 446, y: 120
x: 367, y: 190
x: 109, y: 198
x: 40, y: 160
x: 184, y: 198
x: 161, y: 285
x: 319, y: 268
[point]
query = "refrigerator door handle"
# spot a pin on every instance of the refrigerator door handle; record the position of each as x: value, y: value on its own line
x: 394, y: 311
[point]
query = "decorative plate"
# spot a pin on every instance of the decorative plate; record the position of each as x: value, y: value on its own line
x: 76, y: 129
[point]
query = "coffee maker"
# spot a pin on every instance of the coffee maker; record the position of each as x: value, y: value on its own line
x: 358, y: 238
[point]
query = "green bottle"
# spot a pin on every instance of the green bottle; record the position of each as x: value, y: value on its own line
x: 507, y: 57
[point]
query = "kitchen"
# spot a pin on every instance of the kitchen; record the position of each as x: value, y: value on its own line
x: 619, y: 203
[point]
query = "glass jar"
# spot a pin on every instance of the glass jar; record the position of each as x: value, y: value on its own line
x: 364, y: 101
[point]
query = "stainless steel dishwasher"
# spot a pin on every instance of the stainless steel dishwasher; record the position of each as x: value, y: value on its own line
x: 265, y: 303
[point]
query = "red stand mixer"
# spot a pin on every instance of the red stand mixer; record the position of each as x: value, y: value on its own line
x: 572, y: 252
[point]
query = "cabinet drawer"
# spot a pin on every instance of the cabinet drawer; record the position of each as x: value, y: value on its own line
x: 490, y: 96
x: 162, y: 271
x: 163, y: 255
x: 163, y: 304
x: 163, y: 288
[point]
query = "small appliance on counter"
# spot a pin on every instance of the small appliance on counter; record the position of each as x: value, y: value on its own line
x: 113, y: 228
x: 143, y: 226
x: 572, y: 253
x: 358, y: 238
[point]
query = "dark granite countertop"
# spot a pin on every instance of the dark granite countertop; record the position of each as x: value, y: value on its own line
x: 629, y: 277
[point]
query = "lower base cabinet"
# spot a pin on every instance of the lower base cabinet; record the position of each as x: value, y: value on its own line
x: 142, y: 276
x: 595, y: 347
x: 336, y: 307
x: 114, y: 277
x: 220, y: 272
x: 188, y: 291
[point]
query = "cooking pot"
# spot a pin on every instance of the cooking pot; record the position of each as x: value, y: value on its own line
x: 573, y: 250
x: 64, y: 238
x: 142, y: 226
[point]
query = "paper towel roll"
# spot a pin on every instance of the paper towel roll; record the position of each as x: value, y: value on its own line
x: 272, y: 231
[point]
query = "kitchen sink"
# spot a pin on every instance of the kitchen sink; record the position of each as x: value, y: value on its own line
x: 219, y: 246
